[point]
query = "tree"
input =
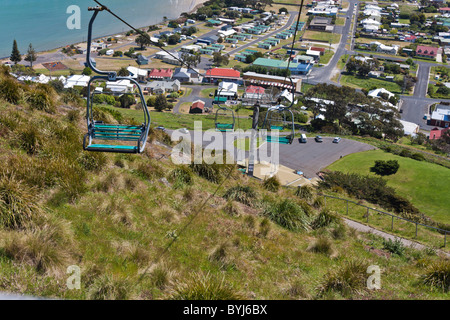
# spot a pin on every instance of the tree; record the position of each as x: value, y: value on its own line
x: 191, y: 60
x: 143, y: 41
x: 87, y: 71
x: 174, y: 39
x: 126, y: 101
x: 385, y: 168
x: 123, y: 72
x: 219, y: 59
x: 31, y: 55
x: 161, y: 103
x: 15, y: 54
x: 281, y: 10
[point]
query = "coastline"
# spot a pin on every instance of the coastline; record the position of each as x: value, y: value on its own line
x: 195, y: 5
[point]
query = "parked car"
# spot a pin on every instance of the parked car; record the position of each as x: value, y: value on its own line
x: 337, y: 140
x: 319, y: 139
x: 303, y: 138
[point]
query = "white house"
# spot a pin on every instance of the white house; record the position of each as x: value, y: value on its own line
x: 77, y: 81
x: 410, y: 128
x: 120, y: 87
x: 227, y: 89
x: 139, y: 75
x: 161, y: 87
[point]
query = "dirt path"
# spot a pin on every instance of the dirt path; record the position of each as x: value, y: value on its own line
x: 407, y: 243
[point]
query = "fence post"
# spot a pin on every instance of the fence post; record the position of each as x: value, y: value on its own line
x: 347, y: 207
x: 445, y: 239
x: 392, y: 226
x: 325, y: 199
x: 368, y: 215
x: 416, y: 229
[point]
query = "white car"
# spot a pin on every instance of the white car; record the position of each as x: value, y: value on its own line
x: 337, y: 140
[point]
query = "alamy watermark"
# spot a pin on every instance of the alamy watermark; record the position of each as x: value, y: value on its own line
x: 74, y: 20
x: 374, y: 280
x: 207, y: 147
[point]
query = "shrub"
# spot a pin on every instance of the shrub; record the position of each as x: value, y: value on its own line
x: 205, y: 287
x: 242, y: 194
x: 385, y: 168
x: 150, y: 171
x: 405, y: 153
x: 160, y: 276
x: 348, y: 279
x: 395, y: 246
x: 318, y: 202
x: 438, y: 275
x: 272, y: 184
x: 9, y: 90
x: 287, y: 214
x: 18, y: 203
x: 418, y: 157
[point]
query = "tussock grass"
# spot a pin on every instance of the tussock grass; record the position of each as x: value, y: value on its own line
x: 109, y: 287
x: 272, y: 184
x: 394, y: 246
x: 437, y: 275
x: 287, y: 214
x: 348, y: 279
x: 321, y: 245
x: 202, y: 286
x: 242, y: 194
x: 46, y: 247
x: 231, y: 208
x: 18, y: 202
x: 326, y: 218
x: 180, y: 177
x: 304, y: 192
x: 10, y: 91
x: 161, y: 275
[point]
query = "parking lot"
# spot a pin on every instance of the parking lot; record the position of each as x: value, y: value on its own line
x: 311, y: 157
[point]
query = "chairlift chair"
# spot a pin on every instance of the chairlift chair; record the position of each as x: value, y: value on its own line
x: 225, y: 119
x: 280, y: 118
x: 119, y: 138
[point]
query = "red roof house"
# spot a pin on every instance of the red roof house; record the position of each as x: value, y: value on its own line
x: 426, y: 52
x: 321, y: 50
x: 197, y: 107
x: 216, y: 74
x: 255, y: 89
x: 437, y: 133
x: 444, y: 10
x: 165, y: 74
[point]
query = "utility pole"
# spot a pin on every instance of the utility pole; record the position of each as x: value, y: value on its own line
x: 253, y: 140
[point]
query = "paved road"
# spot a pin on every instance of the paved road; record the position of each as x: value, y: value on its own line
x: 194, y: 96
x: 407, y: 243
x: 292, y: 17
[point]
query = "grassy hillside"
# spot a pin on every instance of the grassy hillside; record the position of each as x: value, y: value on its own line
x: 140, y: 227
x: 424, y: 184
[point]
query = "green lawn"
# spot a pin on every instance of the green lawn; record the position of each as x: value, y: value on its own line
x: 176, y: 121
x: 244, y: 144
x: 205, y: 92
x: 424, y: 184
x: 322, y: 36
x: 326, y: 57
x: 342, y: 61
x: 368, y: 83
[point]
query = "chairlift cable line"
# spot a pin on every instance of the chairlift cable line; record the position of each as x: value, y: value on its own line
x: 147, y: 36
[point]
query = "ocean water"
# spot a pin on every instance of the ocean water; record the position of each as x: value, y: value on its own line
x: 44, y: 22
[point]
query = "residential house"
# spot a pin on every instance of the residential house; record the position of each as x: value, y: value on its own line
x: 437, y: 133
x: 224, y: 74
x: 185, y: 75
x: 197, y: 107
x: 410, y: 128
x: 162, y: 87
x: 141, y: 60
x: 137, y: 74
x: 441, y: 117
x: 160, y: 74
x: 228, y: 90
x: 321, y: 24
x: 426, y: 52
x: 77, y: 81
x: 120, y: 87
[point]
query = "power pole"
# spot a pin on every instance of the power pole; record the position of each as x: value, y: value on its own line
x: 253, y: 140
